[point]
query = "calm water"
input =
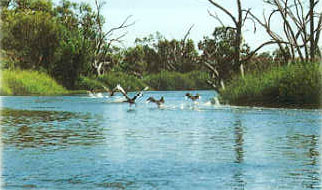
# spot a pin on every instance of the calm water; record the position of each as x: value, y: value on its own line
x: 79, y: 142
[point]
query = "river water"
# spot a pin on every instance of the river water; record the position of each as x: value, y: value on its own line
x: 83, y: 142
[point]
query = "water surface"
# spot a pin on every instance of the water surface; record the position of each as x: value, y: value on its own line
x: 80, y: 142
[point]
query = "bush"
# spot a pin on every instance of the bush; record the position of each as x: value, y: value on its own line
x: 294, y: 85
x: 128, y: 82
x: 16, y: 82
x: 166, y: 80
x: 88, y: 83
x: 162, y: 81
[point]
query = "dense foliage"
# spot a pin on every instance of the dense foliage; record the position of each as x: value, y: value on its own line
x: 164, y: 80
x: 294, y: 85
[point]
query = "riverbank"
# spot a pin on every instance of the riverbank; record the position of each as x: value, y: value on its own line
x: 163, y: 81
x: 296, y: 85
x: 28, y: 82
x: 19, y: 82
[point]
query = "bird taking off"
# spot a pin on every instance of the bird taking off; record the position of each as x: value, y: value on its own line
x: 193, y: 98
x: 157, y: 102
x: 111, y: 92
x: 128, y: 99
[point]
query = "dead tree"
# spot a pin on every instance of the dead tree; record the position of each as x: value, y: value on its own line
x: 104, y: 40
x: 239, y: 22
x: 299, y: 34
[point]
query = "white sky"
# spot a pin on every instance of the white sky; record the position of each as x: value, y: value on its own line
x: 172, y: 18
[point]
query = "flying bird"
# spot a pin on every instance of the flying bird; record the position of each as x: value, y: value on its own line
x: 128, y: 99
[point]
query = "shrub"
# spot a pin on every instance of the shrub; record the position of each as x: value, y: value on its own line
x: 166, y: 80
x: 128, y: 82
x: 297, y: 84
x: 88, y: 83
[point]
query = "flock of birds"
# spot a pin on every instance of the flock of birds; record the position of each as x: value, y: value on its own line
x: 131, y: 100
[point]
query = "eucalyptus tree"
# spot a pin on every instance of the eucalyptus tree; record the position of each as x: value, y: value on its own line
x: 238, y: 22
x: 30, y: 34
x: 218, y: 54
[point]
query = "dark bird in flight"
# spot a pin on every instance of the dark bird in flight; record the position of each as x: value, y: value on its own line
x: 193, y: 98
x: 128, y: 99
x: 157, y: 102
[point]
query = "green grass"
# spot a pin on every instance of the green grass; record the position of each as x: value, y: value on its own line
x: 294, y: 85
x: 161, y: 81
x: 166, y: 80
x: 17, y: 82
x: 128, y: 82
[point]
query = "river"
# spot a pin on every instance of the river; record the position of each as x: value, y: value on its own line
x: 83, y: 142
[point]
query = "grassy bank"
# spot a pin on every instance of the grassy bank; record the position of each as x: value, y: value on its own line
x: 18, y: 82
x: 297, y: 85
x: 160, y: 81
x: 165, y: 80
x: 28, y: 83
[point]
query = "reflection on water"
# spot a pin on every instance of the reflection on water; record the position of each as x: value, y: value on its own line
x: 24, y: 128
x: 87, y: 143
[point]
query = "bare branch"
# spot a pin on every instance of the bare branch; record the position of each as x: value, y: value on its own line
x: 122, y: 26
x: 215, y: 16
x: 224, y: 10
x: 287, y: 24
x: 258, y: 48
x: 318, y: 31
x: 209, y: 66
x: 246, y: 15
x: 188, y: 33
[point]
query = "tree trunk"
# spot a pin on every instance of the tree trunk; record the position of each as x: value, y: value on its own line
x: 238, y: 39
x: 312, y: 44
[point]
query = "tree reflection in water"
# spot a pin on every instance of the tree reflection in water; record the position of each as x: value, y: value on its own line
x: 24, y: 128
x: 238, y: 176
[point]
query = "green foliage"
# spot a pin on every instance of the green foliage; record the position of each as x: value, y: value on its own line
x: 177, y: 81
x: 128, y: 82
x: 39, y: 36
x: 17, y: 82
x: 297, y: 84
x: 32, y: 37
x: 89, y: 83
x: 162, y: 81
x: 219, y: 52
x: 72, y: 59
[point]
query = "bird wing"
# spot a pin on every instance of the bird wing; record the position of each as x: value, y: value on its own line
x: 122, y: 91
x: 106, y: 89
x: 151, y: 99
x: 140, y: 93
x: 137, y: 95
x: 115, y: 89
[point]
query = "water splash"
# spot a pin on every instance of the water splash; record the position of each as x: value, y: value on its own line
x: 215, y: 101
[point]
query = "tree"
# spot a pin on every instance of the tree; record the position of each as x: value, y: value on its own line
x: 238, y: 22
x: 299, y: 35
x: 103, y: 40
x: 38, y: 36
x: 218, y: 54
x: 30, y: 36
